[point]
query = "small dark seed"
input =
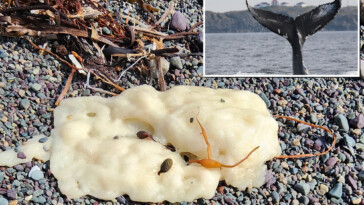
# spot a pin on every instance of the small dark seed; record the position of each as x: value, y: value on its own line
x: 116, y: 137
x: 166, y: 166
x: 222, y: 100
x: 191, y: 120
x: 170, y: 147
x: 91, y: 114
x: 143, y: 135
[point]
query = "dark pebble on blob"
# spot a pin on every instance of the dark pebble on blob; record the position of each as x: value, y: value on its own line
x: 43, y: 139
x: 21, y: 155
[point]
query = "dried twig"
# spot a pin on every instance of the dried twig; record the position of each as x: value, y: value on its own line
x: 55, y: 55
x: 194, y: 26
x: 171, y: 6
x: 66, y: 87
x: 146, y: 30
x: 161, y: 82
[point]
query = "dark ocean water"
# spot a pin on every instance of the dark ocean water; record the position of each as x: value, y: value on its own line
x: 324, y: 53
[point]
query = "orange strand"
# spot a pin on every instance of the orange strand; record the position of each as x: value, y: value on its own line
x: 311, y: 125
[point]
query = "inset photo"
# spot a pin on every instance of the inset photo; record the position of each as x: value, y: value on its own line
x: 260, y: 38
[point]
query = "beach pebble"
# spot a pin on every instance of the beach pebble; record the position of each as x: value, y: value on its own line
x: 357, y: 122
x: 323, y: 189
x: 342, y: 122
x: 176, y: 62
x: 37, y: 175
x: 302, y: 188
x: 349, y: 141
x: 360, y: 176
x: 275, y: 196
x: 11, y: 194
x: 265, y: 99
x: 25, y: 103
x: 3, y: 201
x: 356, y: 200
x: 21, y: 155
x: 164, y: 65
x: 178, y: 22
x: 336, y: 191
x: 331, y: 161
x: 36, y: 86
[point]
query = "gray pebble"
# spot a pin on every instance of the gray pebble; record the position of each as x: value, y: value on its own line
x: 25, y: 103
x: 349, y: 141
x: 1, y: 176
x: 106, y: 31
x: 302, y: 188
x: 336, y: 191
x: 43, y: 140
x: 3, y: 54
x: 275, y: 196
x: 342, y: 122
x: 176, y: 62
x: 37, y: 175
x: 360, y: 176
x: 265, y: 99
x: 36, y: 86
x: 3, y: 201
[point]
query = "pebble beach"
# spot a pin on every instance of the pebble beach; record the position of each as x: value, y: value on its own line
x: 30, y: 84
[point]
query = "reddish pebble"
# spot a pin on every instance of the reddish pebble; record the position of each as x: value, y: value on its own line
x: 21, y: 155
x: 221, y: 189
x: 331, y: 162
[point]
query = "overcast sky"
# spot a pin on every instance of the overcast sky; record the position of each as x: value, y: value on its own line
x: 238, y: 5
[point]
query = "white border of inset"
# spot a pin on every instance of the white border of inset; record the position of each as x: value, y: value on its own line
x: 261, y: 76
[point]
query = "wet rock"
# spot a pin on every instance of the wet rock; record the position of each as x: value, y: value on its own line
x: 176, y: 62
x: 178, y: 22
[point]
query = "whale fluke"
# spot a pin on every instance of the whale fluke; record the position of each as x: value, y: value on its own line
x: 297, y: 30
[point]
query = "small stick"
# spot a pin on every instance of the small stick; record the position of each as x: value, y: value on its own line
x: 161, y: 82
x: 66, y: 87
x: 311, y: 125
x: 194, y: 26
x: 171, y: 6
x: 49, y: 52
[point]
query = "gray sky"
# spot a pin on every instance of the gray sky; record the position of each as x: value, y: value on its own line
x: 238, y: 5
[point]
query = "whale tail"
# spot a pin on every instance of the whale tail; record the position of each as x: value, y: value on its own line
x: 297, y: 30
x: 304, y: 25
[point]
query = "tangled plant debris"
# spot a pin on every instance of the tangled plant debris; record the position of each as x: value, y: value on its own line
x: 91, y: 36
